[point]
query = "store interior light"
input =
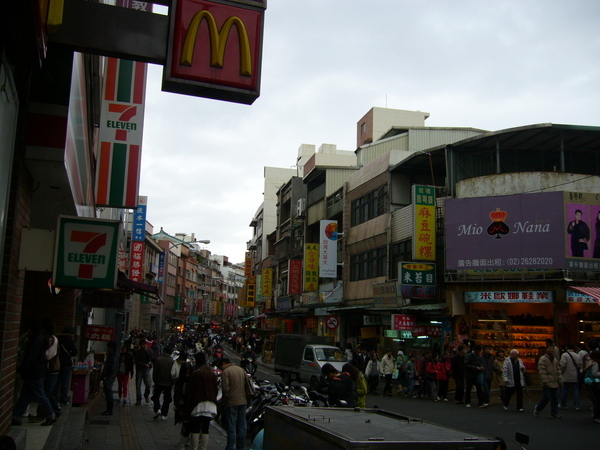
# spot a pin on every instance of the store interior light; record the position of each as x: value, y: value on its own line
x: 422, y: 337
x: 492, y: 320
x: 435, y: 322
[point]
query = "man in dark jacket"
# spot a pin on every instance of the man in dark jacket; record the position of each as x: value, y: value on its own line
x: 109, y: 375
x: 67, y: 351
x: 143, y: 358
x: 458, y: 373
x: 474, y: 367
x: 163, y: 383
x: 489, y: 367
x: 32, y: 371
x: 341, y: 387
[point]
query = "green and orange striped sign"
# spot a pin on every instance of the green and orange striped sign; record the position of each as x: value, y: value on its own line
x: 120, y: 134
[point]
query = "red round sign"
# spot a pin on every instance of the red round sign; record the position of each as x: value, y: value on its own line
x: 332, y: 322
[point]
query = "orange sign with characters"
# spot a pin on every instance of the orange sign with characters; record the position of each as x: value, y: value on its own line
x: 215, y: 49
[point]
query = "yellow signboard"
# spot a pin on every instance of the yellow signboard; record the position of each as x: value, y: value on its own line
x: 311, y: 267
x: 424, y: 223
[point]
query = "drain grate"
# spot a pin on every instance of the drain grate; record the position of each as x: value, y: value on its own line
x: 99, y: 422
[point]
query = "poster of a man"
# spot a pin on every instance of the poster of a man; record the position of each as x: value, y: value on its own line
x: 580, y: 235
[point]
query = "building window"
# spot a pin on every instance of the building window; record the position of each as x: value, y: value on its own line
x: 372, y: 205
x: 363, y: 128
x: 399, y: 252
x: 369, y: 264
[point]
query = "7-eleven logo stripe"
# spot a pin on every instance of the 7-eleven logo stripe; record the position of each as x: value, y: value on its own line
x: 95, y: 241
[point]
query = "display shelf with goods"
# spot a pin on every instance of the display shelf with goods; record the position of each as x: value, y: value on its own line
x: 589, y: 326
x: 527, y: 334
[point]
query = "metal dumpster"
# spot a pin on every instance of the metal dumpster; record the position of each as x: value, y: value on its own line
x: 293, y: 428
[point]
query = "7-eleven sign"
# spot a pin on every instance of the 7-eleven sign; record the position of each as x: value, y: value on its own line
x: 86, y: 253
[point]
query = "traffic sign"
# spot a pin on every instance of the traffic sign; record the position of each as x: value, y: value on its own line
x: 332, y: 322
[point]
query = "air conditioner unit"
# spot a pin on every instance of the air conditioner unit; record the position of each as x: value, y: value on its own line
x: 300, y: 207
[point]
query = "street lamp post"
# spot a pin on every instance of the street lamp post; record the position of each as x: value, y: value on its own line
x: 165, y: 277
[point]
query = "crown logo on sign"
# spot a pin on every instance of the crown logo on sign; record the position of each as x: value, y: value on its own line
x: 498, y: 216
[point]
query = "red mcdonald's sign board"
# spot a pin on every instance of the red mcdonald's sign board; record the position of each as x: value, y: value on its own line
x: 215, y: 49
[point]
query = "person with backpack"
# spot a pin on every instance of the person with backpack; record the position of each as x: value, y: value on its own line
x: 570, y: 366
x: 401, y: 360
x: 341, y: 388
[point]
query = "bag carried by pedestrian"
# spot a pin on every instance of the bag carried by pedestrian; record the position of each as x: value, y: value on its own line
x: 528, y: 379
x: 249, y: 388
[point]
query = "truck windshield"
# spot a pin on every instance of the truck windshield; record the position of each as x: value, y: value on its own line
x: 330, y: 354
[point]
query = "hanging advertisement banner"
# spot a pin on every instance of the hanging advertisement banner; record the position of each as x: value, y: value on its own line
x: 311, y: 267
x: 294, y: 277
x: 328, y: 249
x: 423, y: 198
x: 138, y: 238
x: 85, y: 254
x: 250, y: 292
x: 385, y: 295
x: 100, y: 333
x: 402, y: 322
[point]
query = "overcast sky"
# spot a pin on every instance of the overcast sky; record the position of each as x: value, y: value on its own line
x: 481, y: 64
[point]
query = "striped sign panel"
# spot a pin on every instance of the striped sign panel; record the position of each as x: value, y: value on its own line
x: 120, y: 141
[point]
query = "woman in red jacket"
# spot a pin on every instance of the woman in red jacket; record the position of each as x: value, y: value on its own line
x: 431, y: 374
x: 443, y: 376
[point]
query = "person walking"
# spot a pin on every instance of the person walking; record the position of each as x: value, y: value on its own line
x: 443, y: 377
x: 67, y: 350
x: 32, y: 370
x: 143, y: 358
x: 592, y: 370
x: 125, y: 370
x: 182, y: 415
x: 200, y: 402
x: 474, y: 376
x: 458, y: 373
x: 372, y: 372
x: 233, y: 382
x: 388, y: 364
x: 109, y: 375
x: 551, y: 377
x: 570, y: 366
x: 163, y: 383
x: 51, y: 347
x: 513, y: 375
x: 411, y: 373
x: 499, y: 373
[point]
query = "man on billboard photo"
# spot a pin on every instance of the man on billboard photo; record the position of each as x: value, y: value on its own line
x: 580, y: 234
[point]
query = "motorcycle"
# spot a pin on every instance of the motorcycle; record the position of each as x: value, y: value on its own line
x: 247, y: 363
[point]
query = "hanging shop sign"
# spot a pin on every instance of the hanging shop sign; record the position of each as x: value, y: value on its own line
x: 328, y: 249
x: 248, y: 264
x: 427, y: 330
x: 423, y: 198
x: 509, y: 297
x: 250, y: 292
x: 395, y: 334
x: 86, y: 253
x: 311, y: 267
x: 215, y: 49
x: 403, y: 323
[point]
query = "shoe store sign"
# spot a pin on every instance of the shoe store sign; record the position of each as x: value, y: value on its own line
x: 86, y: 253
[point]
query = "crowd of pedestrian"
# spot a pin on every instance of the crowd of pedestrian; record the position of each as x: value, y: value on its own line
x: 476, y: 368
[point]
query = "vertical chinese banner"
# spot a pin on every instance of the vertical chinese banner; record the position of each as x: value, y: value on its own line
x: 138, y: 238
x: 294, y: 277
x: 250, y: 292
x: 267, y: 284
x: 248, y: 265
x: 311, y: 267
x: 328, y: 254
x: 423, y: 198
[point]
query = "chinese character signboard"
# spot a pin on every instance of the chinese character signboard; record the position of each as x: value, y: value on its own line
x: 311, y: 267
x: 267, y: 284
x: 97, y: 333
x: 417, y: 274
x: 86, y: 253
x: 385, y: 295
x: 328, y: 254
x: 215, y: 49
x: 139, y: 220
x: 294, y: 277
x: 248, y: 265
x: 509, y: 297
x: 403, y: 323
x: 250, y: 292
x: 424, y: 223
x: 161, y: 267
x: 138, y: 238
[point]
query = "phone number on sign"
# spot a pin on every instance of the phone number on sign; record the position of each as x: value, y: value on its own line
x: 539, y: 261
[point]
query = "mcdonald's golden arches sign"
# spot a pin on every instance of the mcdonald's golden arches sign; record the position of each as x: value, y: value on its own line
x: 215, y: 49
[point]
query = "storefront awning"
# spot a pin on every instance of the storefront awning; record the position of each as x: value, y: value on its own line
x: 427, y: 307
x: 247, y: 318
x: 593, y: 292
x: 135, y: 287
x: 215, y: 324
